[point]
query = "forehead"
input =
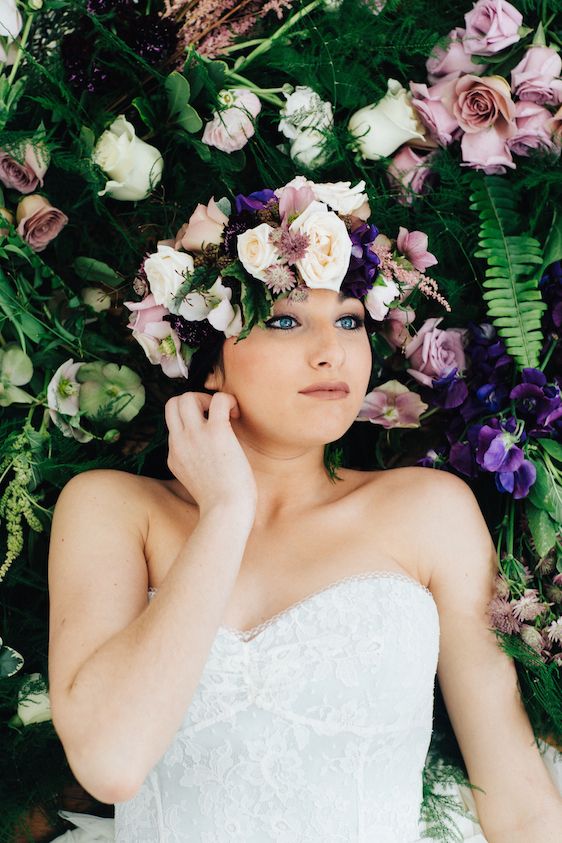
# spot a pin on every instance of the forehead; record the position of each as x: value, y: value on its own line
x: 310, y: 298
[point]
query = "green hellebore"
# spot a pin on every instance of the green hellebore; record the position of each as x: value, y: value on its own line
x: 16, y: 369
x: 109, y: 392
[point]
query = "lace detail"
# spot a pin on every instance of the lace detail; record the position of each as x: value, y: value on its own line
x: 254, y: 631
x: 315, y: 732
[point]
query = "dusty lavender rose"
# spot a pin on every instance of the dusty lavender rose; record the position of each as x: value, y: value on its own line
x: 481, y: 103
x: 410, y: 173
x: 451, y: 61
x: 413, y: 245
x: 232, y: 126
x: 38, y: 222
x: 534, y: 129
x: 487, y: 150
x: 435, y: 108
x: 536, y: 77
x: 434, y: 353
x: 204, y: 226
x: 392, y: 405
x: 491, y: 26
x: 26, y: 176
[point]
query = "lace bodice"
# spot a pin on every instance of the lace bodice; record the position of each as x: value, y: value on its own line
x: 311, y: 727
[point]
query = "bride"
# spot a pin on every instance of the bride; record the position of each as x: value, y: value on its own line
x: 247, y: 652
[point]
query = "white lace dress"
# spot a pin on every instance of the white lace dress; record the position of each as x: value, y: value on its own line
x: 310, y: 728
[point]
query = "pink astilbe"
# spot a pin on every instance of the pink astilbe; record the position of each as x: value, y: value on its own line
x: 528, y: 607
x: 502, y: 617
x: 409, y: 278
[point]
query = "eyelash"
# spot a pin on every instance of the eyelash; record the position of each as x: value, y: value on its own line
x: 359, y: 322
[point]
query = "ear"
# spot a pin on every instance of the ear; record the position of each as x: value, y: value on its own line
x: 214, y: 379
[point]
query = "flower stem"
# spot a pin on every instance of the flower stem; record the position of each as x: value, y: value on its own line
x: 267, y: 94
x: 268, y: 42
x: 553, y: 343
x: 22, y: 43
x: 242, y: 45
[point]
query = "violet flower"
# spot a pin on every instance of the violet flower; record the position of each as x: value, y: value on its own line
x: 364, y: 262
x: 538, y: 402
x: 255, y: 201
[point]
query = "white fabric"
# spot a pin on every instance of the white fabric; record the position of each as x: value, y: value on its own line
x: 313, y: 727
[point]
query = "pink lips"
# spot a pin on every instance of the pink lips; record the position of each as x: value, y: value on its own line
x: 327, y: 390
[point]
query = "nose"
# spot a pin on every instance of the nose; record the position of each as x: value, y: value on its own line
x: 327, y: 350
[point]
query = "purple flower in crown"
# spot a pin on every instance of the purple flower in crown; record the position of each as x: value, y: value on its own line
x: 256, y: 201
x: 538, y: 402
x: 364, y: 262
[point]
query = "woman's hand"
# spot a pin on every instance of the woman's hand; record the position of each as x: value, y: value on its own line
x: 204, y: 453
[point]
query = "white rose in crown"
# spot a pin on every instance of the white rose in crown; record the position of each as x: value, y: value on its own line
x: 33, y: 700
x: 304, y: 109
x: 339, y: 195
x: 165, y: 271
x: 381, y: 128
x: 255, y: 250
x: 133, y: 166
x: 326, y: 260
x: 308, y: 149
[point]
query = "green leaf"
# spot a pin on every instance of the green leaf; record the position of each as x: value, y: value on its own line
x: 96, y: 271
x: 545, y: 493
x: 542, y: 527
x: 512, y: 294
x: 10, y: 662
x: 146, y: 112
x: 552, y: 447
x: 255, y: 306
x: 87, y: 140
x: 179, y: 92
x: 189, y: 120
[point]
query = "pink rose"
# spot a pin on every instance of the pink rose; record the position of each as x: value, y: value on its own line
x: 232, y: 126
x: 205, y: 226
x: 481, y: 103
x: 27, y: 176
x: 435, y: 108
x: 392, y: 405
x: 555, y: 127
x: 535, y: 77
x: 413, y: 245
x: 156, y: 337
x: 451, y: 61
x: 487, y: 150
x: 534, y: 129
x: 491, y: 26
x: 38, y: 222
x: 434, y: 353
x: 395, y: 327
x: 410, y: 173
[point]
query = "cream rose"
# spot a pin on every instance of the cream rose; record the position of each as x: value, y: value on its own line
x: 343, y: 198
x: 165, y: 271
x: 133, y: 166
x: 384, y: 126
x: 326, y: 261
x: 255, y: 250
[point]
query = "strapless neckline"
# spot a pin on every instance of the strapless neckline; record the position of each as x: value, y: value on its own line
x: 254, y: 632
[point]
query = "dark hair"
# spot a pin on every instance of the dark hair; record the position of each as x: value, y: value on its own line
x: 203, y: 362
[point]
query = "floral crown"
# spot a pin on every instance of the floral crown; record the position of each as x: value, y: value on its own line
x: 225, y: 268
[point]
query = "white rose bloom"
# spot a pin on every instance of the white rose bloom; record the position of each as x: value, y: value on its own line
x: 213, y: 304
x: 378, y: 298
x: 304, y: 109
x: 307, y: 149
x: 384, y: 126
x: 10, y: 19
x: 133, y: 166
x: 165, y: 272
x: 255, y: 251
x: 340, y: 196
x: 34, y: 706
x: 326, y: 261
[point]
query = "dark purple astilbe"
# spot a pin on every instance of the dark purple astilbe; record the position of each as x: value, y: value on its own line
x: 256, y: 201
x: 153, y: 38
x: 193, y: 333
x: 237, y: 224
x: 363, y: 264
x: 490, y: 372
x: 539, y: 403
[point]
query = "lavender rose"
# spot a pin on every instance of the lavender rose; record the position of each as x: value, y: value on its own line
x: 451, y: 61
x: 25, y: 176
x: 481, y: 103
x: 534, y: 129
x: 410, y: 173
x: 38, y: 222
x: 491, y: 26
x: 535, y: 77
x: 434, y: 353
x: 487, y: 150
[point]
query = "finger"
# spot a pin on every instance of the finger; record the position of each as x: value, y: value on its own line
x: 223, y: 407
x: 172, y: 413
x: 194, y: 407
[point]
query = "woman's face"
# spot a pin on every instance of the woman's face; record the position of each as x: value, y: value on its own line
x: 314, y: 337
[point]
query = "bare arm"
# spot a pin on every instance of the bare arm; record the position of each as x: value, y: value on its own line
x: 478, y: 680
x: 123, y: 673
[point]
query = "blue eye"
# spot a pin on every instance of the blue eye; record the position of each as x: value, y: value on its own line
x: 352, y: 322
x: 282, y: 319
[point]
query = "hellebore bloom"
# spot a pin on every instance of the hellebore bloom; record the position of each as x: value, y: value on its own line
x: 392, y: 405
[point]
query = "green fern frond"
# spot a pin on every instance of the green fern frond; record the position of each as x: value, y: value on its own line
x: 512, y: 278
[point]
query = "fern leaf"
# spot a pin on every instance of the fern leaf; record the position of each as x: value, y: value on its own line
x: 512, y: 295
